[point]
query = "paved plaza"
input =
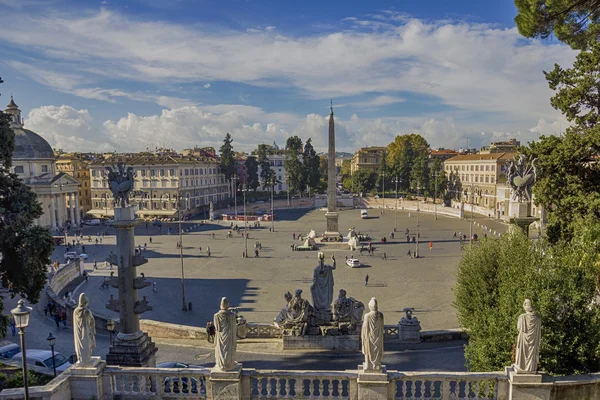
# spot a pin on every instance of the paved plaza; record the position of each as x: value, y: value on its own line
x: 257, y: 285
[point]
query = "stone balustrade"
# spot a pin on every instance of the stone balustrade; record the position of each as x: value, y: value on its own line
x: 265, y: 331
x: 64, y: 276
x: 447, y: 386
x: 390, y: 332
x: 267, y: 384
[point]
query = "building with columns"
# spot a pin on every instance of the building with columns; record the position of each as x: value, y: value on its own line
x: 77, y: 166
x: 34, y: 163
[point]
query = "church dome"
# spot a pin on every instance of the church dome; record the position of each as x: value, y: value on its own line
x: 29, y: 145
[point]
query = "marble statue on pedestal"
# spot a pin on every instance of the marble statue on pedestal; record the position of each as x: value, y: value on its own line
x: 352, y: 239
x: 372, y: 338
x: 347, y: 309
x: 225, y: 323
x: 529, y: 326
x: 294, y: 316
x: 84, y: 331
x: 322, y: 286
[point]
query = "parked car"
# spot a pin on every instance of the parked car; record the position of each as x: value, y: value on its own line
x: 353, y: 263
x: 91, y: 222
x: 43, y: 359
x: 72, y: 255
x: 364, y: 214
x: 8, y: 349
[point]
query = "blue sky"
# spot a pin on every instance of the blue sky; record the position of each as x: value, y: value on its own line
x: 129, y: 75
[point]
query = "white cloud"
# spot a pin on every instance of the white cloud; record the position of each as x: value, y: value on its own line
x: 206, y: 85
x: 378, y: 101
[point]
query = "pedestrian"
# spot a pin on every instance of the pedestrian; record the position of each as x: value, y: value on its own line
x: 85, y: 274
x: 57, y: 319
x: 13, y: 326
x: 150, y: 239
x: 63, y: 317
x: 96, y: 241
x: 145, y: 245
x: 430, y: 245
x: 255, y: 252
x: 140, y: 248
x: 409, y: 254
x: 366, y: 280
x: 407, y: 239
x: 101, y: 239
x: 384, y: 256
x: 454, y: 235
x: 294, y: 236
x: 213, y: 235
x: 46, y: 311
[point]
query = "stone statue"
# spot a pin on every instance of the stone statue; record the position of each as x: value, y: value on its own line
x: 529, y: 326
x: 372, y: 338
x: 225, y: 323
x: 521, y: 175
x: 322, y: 286
x: 84, y: 331
x: 120, y: 182
x: 294, y: 316
x: 347, y: 309
x: 352, y: 239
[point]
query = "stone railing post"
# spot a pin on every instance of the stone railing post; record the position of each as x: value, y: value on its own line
x: 86, y: 380
x: 373, y: 386
x: 527, y: 386
x: 225, y: 385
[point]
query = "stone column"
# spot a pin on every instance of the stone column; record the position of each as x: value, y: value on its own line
x: 59, y: 208
x: 374, y: 386
x: 52, y: 212
x: 72, y: 207
x: 132, y: 347
x: 225, y: 385
x: 77, y: 213
x: 331, y: 215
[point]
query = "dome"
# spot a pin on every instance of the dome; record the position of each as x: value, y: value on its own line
x: 29, y: 145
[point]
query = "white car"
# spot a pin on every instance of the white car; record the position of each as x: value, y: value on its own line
x: 43, y: 359
x: 71, y: 255
x: 353, y: 263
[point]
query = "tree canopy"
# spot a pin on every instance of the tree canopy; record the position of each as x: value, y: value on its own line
x: 363, y: 180
x: 311, y: 165
x: 574, y: 22
x: 25, y: 248
x: 293, y: 166
x: 227, y: 157
x: 407, y: 159
x: 266, y: 172
x: 253, y: 180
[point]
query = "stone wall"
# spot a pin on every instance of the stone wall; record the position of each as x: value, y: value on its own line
x: 165, y: 330
x: 406, y: 205
x: 65, y: 275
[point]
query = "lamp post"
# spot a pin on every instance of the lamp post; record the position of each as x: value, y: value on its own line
x: 472, y: 200
x: 110, y: 327
x: 383, y: 190
x: 418, y: 232
x: 52, y: 341
x: 272, y: 210
x: 435, y: 175
x: 183, y: 304
x: 235, y: 179
x: 21, y: 315
x: 245, y: 223
x: 396, y: 181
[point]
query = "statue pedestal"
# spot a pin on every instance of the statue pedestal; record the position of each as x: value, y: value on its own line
x: 409, y: 332
x: 86, y: 380
x: 525, y: 385
x: 333, y: 230
x: 137, y: 352
x: 519, y: 209
x: 347, y: 343
x: 225, y: 385
x: 374, y: 385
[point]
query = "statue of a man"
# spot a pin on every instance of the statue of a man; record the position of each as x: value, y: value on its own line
x: 322, y: 286
x: 225, y: 324
x: 529, y: 326
x: 347, y: 309
x: 372, y: 338
x: 84, y: 331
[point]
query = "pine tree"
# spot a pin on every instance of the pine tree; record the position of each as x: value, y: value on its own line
x: 227, y: 158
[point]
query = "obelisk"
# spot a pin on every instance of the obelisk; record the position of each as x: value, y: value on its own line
x: 331, y: 215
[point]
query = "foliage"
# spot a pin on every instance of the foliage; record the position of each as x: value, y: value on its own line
x: 25, y: 248
x: 311, y: 165
x: 227, y: 157
x: 383, y: 176
x: 15, y: 380
x: 575, y: 22
x: 495, y: 276
x: 266, y: 172
x: 252, y: 169
x: 293, y: 166
x: 437, y: 184
x: 407, y: 158
x: 323, y: 165
x: 454, y: 189
x: 578, y: 88
x: 568, y: 183
x: 363, y: 180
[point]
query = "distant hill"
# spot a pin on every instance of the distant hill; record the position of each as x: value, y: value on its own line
x: 338, y: 154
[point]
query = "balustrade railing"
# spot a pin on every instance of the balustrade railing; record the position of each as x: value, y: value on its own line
x: 263, y: 331
x: 166, y: 383
x: 273, y: 385
x: 390, y: 332
x: 450, y: 386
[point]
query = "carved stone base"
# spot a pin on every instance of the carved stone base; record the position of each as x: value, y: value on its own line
x: 137, y: 352
x: 409, y: 333
x: 519, y: 209
x: 322, y: 317
x: 225, y: 385
x: 349, y: 343
x: 332, y: 225
x: 526, y: 385
x: 373, y: 385
x: 86, y: 380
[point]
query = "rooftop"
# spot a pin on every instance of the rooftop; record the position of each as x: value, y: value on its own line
x: 483, y: 157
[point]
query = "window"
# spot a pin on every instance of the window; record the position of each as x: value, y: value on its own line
x: 143, y: 172
x: 196, y: 171
x: 172, y: 172
x: 477, y: 168
x: 145, y: 184
x: 19, y: 169
x: 493, y: 168
x: 187, y: 172
x: 487, y: 167
x: 162, y: 172
x: 95, y: 184
x: 44, y: 168
x: 152, y: 172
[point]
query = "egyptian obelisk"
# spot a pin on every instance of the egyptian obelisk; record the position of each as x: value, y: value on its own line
x: 331, y: 215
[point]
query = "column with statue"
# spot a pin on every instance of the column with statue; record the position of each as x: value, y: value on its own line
x: 132, y: 347
x: 521, y: 175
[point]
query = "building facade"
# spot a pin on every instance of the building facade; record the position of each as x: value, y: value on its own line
x: 77, y: 167
x: 34, y: 163
x: 482, y: 178
x: 276, y: 160
x: 163, y: 185
x: 368, y: 158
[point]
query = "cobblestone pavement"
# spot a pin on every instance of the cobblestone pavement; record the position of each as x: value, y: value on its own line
x: 257, y: 284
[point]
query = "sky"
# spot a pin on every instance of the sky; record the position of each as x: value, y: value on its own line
x: 116, y: 75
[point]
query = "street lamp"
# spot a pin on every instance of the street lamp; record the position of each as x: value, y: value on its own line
x: 52, y: 341
x: 21, y: 315
x: 396, y: 181
x: 273, y: 181
x: 245, y: 223
x: 110, y: 327
x: 235, y: 179
x: 418, y: 232
x: 383, y: 190
x: 435, y: 175
x: 183, y: 305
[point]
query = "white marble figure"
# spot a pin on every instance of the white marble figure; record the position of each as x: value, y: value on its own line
x: 529, y: 326
x: 84, y: 331
x: 352, y: 239
x: 372, y: 338
x: 322, y: 286
x: 225, y: 324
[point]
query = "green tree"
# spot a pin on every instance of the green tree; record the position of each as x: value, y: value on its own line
x: 419, y: 175
x: 364, y: 180
x: 252, y: 168
x: 578, y: 88
x: 293, y: 166
x: 311, y: 165
x: 407, y: 158
x: 323, y: 167
x: 25, y: 248
x: 383, y: 176
x: 454, y: 187
x: 575, y: 22
x: 438, y: 183
x: 495, y: 276
x: 346, y: 167
x: 266, y: 172
x: 227, y: 158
